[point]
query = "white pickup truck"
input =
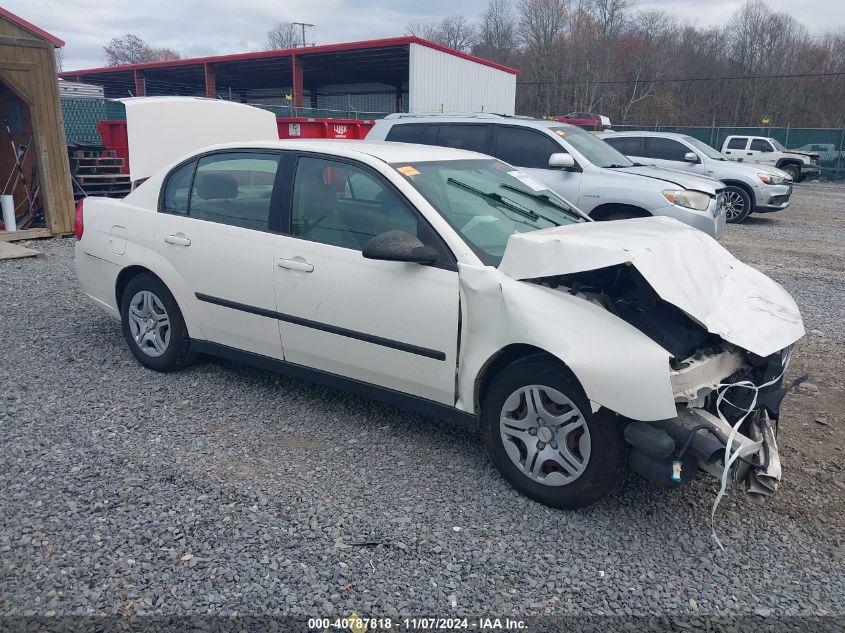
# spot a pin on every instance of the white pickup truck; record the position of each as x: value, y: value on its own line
x: 764, y: 150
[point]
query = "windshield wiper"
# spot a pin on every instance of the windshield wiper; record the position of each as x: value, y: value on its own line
x: 544, y: 198
x: 505, y: 202
x: 617, y: 166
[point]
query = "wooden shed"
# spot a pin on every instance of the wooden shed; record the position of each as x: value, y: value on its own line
x: 33, y: 152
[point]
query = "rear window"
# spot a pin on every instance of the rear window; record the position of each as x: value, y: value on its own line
x: 737, y: 143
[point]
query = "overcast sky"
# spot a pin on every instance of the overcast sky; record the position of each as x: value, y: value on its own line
x: 209, y: 27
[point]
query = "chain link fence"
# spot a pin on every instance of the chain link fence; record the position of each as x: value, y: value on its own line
x: 828, y: 143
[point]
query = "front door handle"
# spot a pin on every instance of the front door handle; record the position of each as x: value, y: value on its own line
x: 179, y: 240
x: 296, y: 264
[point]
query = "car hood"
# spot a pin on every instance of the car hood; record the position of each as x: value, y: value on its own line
x: 800, y: 153
x: 162, y: 130
x: 684, y: 266
x: 675, y: 177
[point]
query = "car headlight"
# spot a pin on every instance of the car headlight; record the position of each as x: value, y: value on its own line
x: 689, y: 199
x: 771, y: 179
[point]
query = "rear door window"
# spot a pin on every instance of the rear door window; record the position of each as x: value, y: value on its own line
x: 459, y: 136
x: 628, y: 145
x: 664, y: 149
x: 177, y: 190
x: 738, y: 142
x: 406, y: 133
x: 235, y: 189
x: 525, y: 147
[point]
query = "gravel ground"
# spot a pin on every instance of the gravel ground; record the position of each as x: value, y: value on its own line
x: 226, y: 489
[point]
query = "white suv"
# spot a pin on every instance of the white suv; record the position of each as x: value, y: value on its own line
x: 573, y: 163
x: 749, y: 188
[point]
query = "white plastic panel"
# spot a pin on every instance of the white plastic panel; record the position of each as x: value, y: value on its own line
x: 440, y: 82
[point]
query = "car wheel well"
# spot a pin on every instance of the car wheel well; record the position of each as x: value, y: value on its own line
x: 125, y: 276
x: 505, y: 357
x: 607, y: 211
x: 788, y: 161
x: 744, y: 187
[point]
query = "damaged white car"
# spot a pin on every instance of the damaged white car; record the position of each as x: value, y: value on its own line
x: 452, y: 284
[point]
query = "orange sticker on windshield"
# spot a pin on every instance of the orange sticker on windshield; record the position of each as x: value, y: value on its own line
x: 560, y: 132
x: 408, y: 171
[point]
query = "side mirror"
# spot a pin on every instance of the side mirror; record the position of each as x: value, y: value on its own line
x: 767, y: 149
x: 561, y: 161
x: 399, y: 246
x: 691, y: 157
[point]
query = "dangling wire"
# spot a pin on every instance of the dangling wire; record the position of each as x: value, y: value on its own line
x: 731, y: 458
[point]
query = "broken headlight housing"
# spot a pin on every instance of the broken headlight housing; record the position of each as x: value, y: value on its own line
x: 771, y: 179
x: 689, y: 199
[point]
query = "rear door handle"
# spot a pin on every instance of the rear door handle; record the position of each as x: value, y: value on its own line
x: 179, y: 239
x: 296, y: 264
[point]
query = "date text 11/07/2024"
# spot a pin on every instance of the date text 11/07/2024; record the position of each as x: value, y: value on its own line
x: 358, y: 624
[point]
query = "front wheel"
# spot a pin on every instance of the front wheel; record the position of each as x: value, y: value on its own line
x: 153, y: 325
x: 794, y: 171
x: 544, y: 438
x: 737, y: 204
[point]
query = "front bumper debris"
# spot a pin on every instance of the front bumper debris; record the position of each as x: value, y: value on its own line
x: 670, y: 452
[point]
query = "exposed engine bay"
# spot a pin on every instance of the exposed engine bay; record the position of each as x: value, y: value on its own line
x: 724, y: 395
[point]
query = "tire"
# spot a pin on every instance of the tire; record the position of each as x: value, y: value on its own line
x: 737, y: 204
x: 153, y: 325
x: 794, y: 171
x: 596, y: 459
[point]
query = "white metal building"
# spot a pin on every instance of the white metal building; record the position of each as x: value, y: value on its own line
x: 372, y: 78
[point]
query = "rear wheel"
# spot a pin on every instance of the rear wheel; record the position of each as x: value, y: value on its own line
x: 737, y: 204
x: 540, y: 430
x: 153, y: 325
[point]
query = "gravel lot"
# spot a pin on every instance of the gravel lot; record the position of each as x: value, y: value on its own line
x: 226, y: 489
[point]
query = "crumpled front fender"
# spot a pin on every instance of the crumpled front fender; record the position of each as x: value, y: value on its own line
x: 618, y: 366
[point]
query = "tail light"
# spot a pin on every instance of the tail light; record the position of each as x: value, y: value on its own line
x: 78, y: 222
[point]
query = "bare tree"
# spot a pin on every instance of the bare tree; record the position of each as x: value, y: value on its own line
x: 131, y: 49
x: 540, y: 30
x: 497, y: 32
x: 283, y: 35
x: 455, y: 32
x: 60, y: 58
x: 426, y: 30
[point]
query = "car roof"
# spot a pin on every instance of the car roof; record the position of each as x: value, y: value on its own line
x: 389, y: 152
x: 481, y: 117
x: 645, y: 133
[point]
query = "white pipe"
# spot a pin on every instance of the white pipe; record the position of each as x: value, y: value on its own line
x: 8, y: 204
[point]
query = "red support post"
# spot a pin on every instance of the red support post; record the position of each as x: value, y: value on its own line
x: 140, y: 86
x: 297, y: 81
x: 210, y: 81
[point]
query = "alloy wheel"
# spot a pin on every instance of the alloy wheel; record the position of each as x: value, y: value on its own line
x: 734, y: 205
x: 545, y: 435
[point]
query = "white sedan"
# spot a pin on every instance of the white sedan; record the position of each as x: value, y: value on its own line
x: 454, y: 285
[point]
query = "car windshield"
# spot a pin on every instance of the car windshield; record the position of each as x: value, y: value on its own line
x: 777, y: 145
x: 592, y: 148
x: 704, y: 148
x: 487, y: 201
